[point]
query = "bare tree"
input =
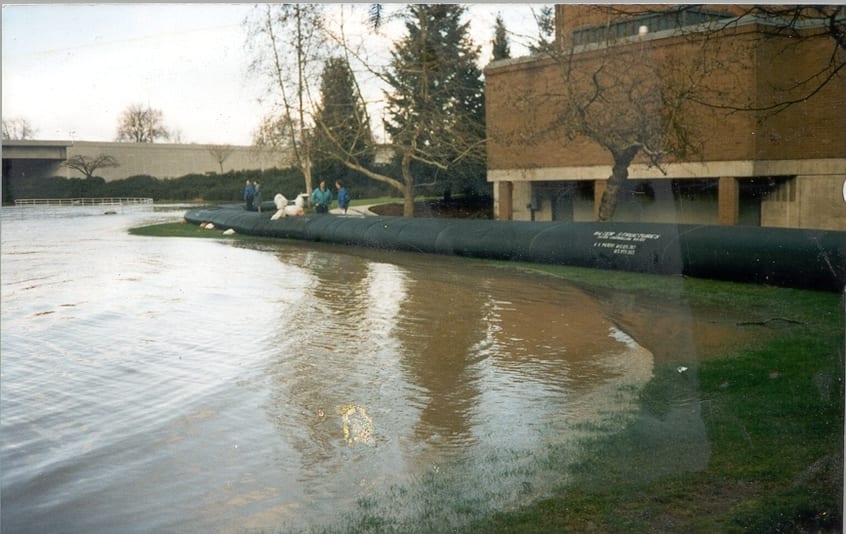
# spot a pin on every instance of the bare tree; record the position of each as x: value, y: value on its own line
x: 636, y: 98
x: 287, y: 42
x: 18, y: 129
x: 629, y: 104
x: 139, y: 124
x: 273, y: 135
x: 613, y: 96
x: 88, y: 165
x: 221, y: 153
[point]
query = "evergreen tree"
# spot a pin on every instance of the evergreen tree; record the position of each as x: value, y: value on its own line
x: 436, y: 108
x: 342, y: 125
x: 501, y: 46
x: 545, y: 19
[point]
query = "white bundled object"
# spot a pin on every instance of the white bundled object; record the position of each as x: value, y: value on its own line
x: 285, y: 210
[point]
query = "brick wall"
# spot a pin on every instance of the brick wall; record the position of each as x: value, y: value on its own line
x: 747, y: 69
x: 525, y: 99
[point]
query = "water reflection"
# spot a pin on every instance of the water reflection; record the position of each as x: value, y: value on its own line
x: 177, y: 384
x: 455, y: 366
x: 440, y: 321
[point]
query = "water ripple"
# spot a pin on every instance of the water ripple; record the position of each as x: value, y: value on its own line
x: 184, y: 385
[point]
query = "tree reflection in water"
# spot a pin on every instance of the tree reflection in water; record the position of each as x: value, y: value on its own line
x: 469, y: 373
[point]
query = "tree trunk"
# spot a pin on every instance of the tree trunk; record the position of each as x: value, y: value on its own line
x: 307, y: 175
x: 306, y: 163
x: 608, y: 203
x: 619, y: 174
x: 408, y: 192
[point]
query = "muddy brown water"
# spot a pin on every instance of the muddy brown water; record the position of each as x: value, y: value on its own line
x: 153, y: 384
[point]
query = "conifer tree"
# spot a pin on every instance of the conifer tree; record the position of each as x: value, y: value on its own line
x: 501, y: 46
x: 436, y: 107
x: 341, y: 123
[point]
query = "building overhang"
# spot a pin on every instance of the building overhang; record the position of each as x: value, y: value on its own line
x: 688, y: 170
x: 45, y: 150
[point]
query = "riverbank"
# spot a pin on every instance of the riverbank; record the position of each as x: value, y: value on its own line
x: 766, y: 366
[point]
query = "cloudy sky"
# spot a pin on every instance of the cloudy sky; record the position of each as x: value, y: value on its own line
x: 71, y: 69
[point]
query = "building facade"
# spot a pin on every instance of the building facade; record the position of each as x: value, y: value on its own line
x: 762, y: 141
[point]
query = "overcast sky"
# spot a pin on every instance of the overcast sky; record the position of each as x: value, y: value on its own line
x: 71, y: 69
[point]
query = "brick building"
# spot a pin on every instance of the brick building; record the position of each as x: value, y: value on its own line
x: 748, y: 160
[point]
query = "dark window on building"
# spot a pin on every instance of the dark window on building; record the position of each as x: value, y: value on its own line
x: 778, y: 188
x: 656, y: 22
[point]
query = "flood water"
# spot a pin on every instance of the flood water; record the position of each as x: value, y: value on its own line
x: 173, y: 385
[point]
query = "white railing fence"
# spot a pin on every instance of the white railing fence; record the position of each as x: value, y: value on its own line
x: 105, y: 201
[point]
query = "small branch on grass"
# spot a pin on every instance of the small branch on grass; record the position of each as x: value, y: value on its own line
x: 768, y: 321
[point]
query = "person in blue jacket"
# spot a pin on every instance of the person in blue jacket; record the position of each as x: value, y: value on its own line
x: 343, y: 196
x: 249, y: 193
x: 321, y: 198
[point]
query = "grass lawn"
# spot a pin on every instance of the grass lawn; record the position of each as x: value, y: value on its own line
x: 764, y: 376
x: 771, y: 401
x: 179, y: 229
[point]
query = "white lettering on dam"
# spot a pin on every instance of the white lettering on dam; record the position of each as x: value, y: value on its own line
x: 624, y: 243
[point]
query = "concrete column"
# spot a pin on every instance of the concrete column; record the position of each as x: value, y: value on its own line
x: 728, y: 201
x: 598, y: 189
x: 504, y: 201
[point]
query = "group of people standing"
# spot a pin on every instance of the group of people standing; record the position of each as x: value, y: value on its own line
x: 252, y: 195
x: 321, y: 198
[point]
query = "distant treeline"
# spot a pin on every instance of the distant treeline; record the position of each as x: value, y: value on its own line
x: 229, y: 186
x: 191, y: 187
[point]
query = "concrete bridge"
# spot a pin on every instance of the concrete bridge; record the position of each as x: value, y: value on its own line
x: 29, y: 159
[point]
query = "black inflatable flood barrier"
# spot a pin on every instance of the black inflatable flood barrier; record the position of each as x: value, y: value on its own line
x: 809, y: 259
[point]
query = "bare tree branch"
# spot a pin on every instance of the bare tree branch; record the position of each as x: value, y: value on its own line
x: 220, y: 154
x: 88, y: 165
x: 140, y: 124
x: 18, y: 129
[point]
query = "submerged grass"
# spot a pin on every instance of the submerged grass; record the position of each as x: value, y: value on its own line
x: 749, y: 439
x: 180, y: 229
x: 772, y: 421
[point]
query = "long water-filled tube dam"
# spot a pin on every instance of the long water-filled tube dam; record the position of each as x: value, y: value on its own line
x: 800, y: 258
